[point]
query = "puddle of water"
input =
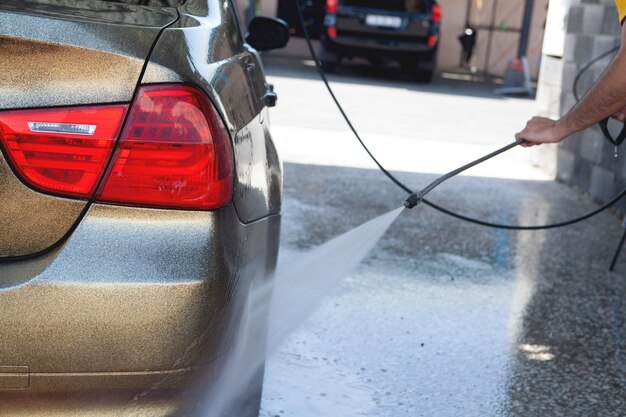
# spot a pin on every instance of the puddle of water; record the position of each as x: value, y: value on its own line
x: 298, y: 288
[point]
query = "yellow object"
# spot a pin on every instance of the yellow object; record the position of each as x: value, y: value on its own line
x: 621, y: 8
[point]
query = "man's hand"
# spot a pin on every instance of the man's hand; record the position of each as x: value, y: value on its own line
x: 620, y: 115
x: 540, y: 130
x: 606, y: 98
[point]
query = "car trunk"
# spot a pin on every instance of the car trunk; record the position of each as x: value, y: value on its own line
x: 57, y: 53
x: 410, y: 6
x: 385, y: 20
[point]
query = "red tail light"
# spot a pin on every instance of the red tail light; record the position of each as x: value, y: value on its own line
x: 331, y: 6
x: 436, y: 13
x: 332, y: 32
x: 432, y: 40
x: 62, y: 150
x: 174, y: 152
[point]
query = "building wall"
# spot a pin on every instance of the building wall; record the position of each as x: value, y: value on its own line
x: 492, y: 51
x: 586, y: 161
x: 452, y: 25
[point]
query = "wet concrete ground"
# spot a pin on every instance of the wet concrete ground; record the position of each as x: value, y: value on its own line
x: 443, y: 318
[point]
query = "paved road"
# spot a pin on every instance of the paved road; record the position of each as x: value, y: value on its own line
x: 442, y: 318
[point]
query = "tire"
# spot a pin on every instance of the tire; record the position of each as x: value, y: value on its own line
x: 421, y: 68
x: 329, y: 57
x: 424, y: 76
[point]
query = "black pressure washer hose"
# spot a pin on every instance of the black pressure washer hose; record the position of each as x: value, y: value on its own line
x: 446, y: 176
x: 418, y: 197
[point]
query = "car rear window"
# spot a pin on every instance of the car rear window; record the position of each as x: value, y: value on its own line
x: 413, y: 6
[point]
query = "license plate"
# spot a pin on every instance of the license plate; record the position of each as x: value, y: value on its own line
x: 383, y: 21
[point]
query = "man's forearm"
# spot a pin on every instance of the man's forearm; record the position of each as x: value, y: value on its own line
x: 606, y: 97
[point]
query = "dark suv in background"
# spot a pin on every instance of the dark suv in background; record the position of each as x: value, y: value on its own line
x: 406, y: 31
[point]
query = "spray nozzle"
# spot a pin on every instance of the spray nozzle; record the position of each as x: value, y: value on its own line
x: 413, y: 200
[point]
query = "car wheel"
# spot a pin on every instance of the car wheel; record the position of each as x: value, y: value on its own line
x: 424, y: 75
x: 420, y: 69
x: 329, y: 58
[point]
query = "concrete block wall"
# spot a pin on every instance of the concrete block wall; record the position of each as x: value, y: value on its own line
x: 548, y: 101
x: 586, y: 161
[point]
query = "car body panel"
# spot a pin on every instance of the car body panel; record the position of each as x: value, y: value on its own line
x: 226, y: 69
x: 151, y: 403
x: 131, y: 301
x: 96, y: 57
x: 50, y: 216
x: 47, y: 60
x: 134, y: 299
x: 258, y: 188
x: 414, y: 27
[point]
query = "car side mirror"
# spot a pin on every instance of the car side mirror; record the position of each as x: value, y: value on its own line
x: 266, y: 33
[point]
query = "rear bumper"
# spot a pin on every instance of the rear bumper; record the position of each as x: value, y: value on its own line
x: 100, y: 404
x: 135, y: 299
x: 372, y: 48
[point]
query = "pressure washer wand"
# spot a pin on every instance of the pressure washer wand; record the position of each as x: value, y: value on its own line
x: 417, y: 197
x: 620, y: 245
